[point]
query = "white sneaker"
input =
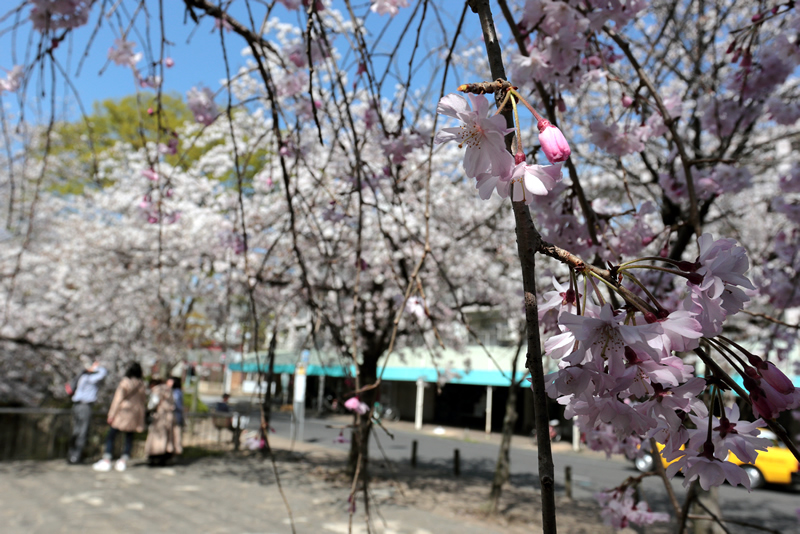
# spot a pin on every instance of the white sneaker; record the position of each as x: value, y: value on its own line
x: 102, y: 465
x: 121, y: 465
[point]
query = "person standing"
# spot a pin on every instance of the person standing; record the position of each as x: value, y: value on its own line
x: 84, y: 396
x: 125, y: 415
x: 177, y: 425
x: 160, y: 437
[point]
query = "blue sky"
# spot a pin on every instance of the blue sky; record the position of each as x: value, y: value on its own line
x: 196, y: 52
x: 197, y: 56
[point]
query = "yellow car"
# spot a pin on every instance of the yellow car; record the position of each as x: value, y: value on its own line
x: 776, y: 465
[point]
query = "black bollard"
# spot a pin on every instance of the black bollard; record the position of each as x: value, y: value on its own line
x: 456, y: 462
x: 568, y: 481
x: 414, y: 453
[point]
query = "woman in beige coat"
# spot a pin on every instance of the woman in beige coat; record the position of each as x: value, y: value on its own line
x: 125, y: 415
x: 160, y: 445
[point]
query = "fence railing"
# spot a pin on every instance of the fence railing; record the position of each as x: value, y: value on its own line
x: 45, y: 434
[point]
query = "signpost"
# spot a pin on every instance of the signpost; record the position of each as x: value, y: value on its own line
x: 299, y: 397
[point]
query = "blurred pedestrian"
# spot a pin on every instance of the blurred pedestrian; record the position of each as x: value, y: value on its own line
x: 125, y: 415
x: 223, y: 406
x: 83, y: 397
x: 159, y: 446
x: 177, y: 425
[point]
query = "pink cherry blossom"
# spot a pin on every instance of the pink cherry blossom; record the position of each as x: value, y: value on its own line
x: 681, y: 332
x: 709, y: 471
x: 59, y: 14
x: 554, y: 144
x: 606, y: 338
x: 201, y: 103
x: 620, y: 509
x: 13, y: 79
x: 391, y: 7
x: 484, y: 136
x: 730, y: 435
x: 399, y: 146
x: 616, y: 142
x: 416, y: 307
x: 291, y: 4
x: 562, y: 299
x: 355, y: 405
x: 524, y: 182
x: 122, y: 53
x: 627, y: 101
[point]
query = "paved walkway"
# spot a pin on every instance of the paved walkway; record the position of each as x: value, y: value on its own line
x: 210, y: 495
x: 237, y: 494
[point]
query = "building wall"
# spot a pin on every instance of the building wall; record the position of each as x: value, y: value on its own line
x: 405, y: 400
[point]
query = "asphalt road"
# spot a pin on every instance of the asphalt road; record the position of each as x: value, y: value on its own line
x: 772, y: 507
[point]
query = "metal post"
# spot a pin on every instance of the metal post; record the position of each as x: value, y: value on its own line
x: 299, y: 393
x: 321, y: 394
x: 456, y: 462
x: 414, y: 453
x: 420, y: 399
x: 576, y: 435
x: 568, y: 481
x: 488, y: 409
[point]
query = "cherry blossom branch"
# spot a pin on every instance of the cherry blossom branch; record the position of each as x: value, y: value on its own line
x: 427, y: 245
x: 772, y: 319
x: 568, y: 258
x: 662, y: 473
x: 528, y: 241
x: 669, y: 122
x: 586, y: 208
x: 691, y: 495
x: 726, y: 378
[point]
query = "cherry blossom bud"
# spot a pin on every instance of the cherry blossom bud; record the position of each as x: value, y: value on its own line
x: 627, y: 101
x: 561, y: 105
x: 736, y: 54
x: 775, y: 378
x: 553, y: 142
x: 150, y: 174
x: 775, y: 9
x: 731, y: 47
x: 168, y: 62
x: 150, y: 111
x: 757, y: 17
x: 747, y: 59
x: 650, y: 317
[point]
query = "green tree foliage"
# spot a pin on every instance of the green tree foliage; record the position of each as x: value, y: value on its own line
x: 114, y: 121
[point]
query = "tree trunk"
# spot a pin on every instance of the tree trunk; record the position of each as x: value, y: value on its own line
x: 502, y: 469
x: 362, y: 424
x: 266, y: 407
